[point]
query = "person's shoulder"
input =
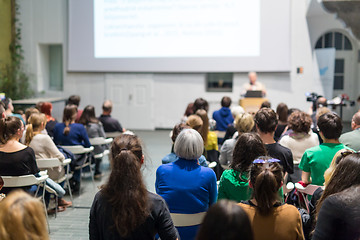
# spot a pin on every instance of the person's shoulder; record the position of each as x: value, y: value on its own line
x: 155, y: 198
x: 289, y: 209
x: 350, y: 134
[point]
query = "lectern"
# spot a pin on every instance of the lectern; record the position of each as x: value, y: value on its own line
x: 251, y: 105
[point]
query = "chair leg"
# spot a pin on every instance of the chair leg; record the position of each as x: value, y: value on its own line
x: 70, y: 191
x: 80, y: 181
x: 92, y: 176
x: 43, y: 200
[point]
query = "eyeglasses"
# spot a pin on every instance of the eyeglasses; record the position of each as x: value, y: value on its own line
x: 262, y: 161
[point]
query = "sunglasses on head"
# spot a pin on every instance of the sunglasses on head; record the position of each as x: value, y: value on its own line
x: 262, y: 161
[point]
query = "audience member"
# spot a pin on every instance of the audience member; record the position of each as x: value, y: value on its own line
x: 352, y: 139
x: 270, y: 218
x: 22, y: 217
x: 266, y: 122
x: 186, y: 186
x: 171, y: 157
x: 38, y: 105
x: 234, y: 183
x: 94, y: 128
x: 200, y: 103
x: 299, y: 139
x: 244, y: 123
x: 231, y: 130
x: 227, y: 221
x: 282, y: 111
x: 69, y: 133
x: 9, y: 108
x: 125, y: 192
x: 320, y: 111
x: 253, y: 84
x: 75, y: 100
x: 189, y: 110
x: 16, y: 159
x: 110, y: 124
x: 338, y: 208
x: 265, y: 104
x: 28, y: 113
x: 209, y: 137
x: 320, y: 103
x: 45, y: 148
x: 317, y: 159
x: 223, y: 117
x: 46, y: 108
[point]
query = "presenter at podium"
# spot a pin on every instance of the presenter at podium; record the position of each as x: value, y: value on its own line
x: 254, y: 85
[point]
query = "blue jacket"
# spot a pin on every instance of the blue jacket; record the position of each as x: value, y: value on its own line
x: 76, y: 136
x: 186, y: 187
x: 223, y: 118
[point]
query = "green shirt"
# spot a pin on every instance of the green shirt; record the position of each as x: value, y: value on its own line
x: 232, y: 187
x: 317, y: 159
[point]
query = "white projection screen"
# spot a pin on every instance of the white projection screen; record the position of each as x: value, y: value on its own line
x: 179, y: 36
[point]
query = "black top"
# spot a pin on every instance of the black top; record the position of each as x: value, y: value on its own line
x: 230, y: 131
x: 101, y: 224
x: 110, y: 124
x: 338, y: 219
x: 17, y: 164
x: 50, y: 125
x: 278, y: 131
x: 282, y: 153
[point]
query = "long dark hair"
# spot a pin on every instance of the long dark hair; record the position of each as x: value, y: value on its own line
x: 8, y: 128
x: 248, y: 147
x: 88, y: 115
x: 266, y: 180
x: 69, y: 115
x: 225, y: 220
x: 346, y: 174
x: 125, y: 189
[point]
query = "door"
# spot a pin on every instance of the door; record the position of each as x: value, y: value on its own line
x: 345, y: 82
x: 132, y: 99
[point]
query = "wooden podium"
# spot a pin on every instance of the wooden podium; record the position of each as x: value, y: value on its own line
x: 251, y: 105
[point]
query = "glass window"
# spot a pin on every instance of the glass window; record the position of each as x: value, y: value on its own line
x: 219, y: 82
x: 338, y: 82
x: 339, y: 66
x: 338, y: 41
x: 328, y: 40
x: 55, y: 68
x: 347, y: 44
x: 319, y: 43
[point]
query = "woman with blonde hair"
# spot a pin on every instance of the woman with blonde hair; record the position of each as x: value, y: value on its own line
x: 22, y: 217
x: 243, y: 123
x: 45, y: 148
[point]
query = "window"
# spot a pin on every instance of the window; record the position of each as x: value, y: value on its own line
x: 55, y: 68
x: 334, y: 39
x: 219, y: 82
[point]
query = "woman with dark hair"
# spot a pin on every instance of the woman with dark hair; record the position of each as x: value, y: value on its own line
x: 234, y: 183
x: 227, y: 221
x: 282, y: 111
x: 299, y: 139
x: 270, y: 218
x: 123, y: 208
x: 16, y: 159
x: 94, y: 128
x: 69, y: 133
x: 244, y: 123
x: 338, y: 211
x: 200, y: 103
x: 46, y: 108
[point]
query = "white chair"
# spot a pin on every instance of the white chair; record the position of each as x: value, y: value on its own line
x: 308, y: 190
x: 28, y: 180
x: 98, y: 141
x: 55, y: 162
x: 112, y: 134
x: 79, y: 149
x: 185, y: 220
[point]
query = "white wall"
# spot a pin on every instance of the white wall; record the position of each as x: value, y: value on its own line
x: 45, y: 22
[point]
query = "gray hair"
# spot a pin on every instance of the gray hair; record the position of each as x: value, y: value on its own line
x: 189, y: 144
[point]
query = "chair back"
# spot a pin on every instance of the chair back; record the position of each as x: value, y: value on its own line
x: 78, y: 149
x: 22, y: 181
x: 185, y: 220
x: 100, y: 141
x: 48, y: 162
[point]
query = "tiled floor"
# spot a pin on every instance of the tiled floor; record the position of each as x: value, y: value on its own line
x: 73, y: 223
